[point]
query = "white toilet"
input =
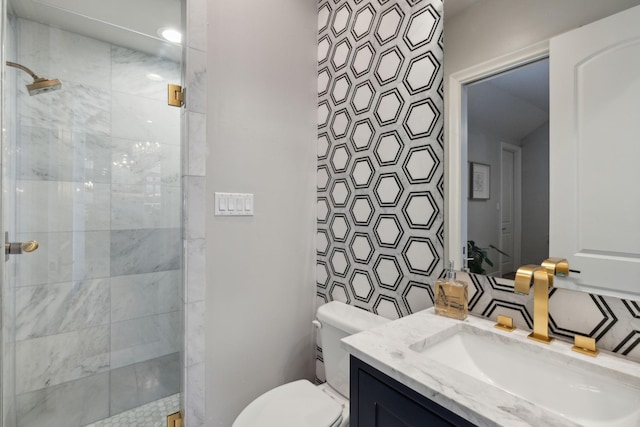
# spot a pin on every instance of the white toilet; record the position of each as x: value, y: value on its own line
x: 302, y: 404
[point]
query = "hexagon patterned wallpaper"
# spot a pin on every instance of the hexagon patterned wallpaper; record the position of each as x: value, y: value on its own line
x: 380, y: 151
x: 380, y: 178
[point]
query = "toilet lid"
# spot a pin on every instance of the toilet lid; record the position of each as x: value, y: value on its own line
x: 295, y: 404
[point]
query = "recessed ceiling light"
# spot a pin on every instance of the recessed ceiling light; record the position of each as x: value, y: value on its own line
x: 155, y: 77
x: 170, y: 34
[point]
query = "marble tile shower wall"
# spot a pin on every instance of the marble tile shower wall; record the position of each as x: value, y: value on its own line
x: 7, y: 355
x: 194, y: 172
x: 98, y: 305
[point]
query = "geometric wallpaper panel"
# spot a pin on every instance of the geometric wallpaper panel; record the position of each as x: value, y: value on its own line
x: 380, y: 179
x: 380, y: 151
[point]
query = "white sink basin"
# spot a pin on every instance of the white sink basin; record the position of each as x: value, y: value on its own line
x: 573, y: 387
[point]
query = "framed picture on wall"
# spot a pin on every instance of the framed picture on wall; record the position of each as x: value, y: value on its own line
x: 480, y: 185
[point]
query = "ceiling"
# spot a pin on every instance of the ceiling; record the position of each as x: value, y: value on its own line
x: 130, y: 23
x: 511, y: 104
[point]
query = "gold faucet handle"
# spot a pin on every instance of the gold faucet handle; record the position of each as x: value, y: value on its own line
x: 524, y: 278
x: 505, y: 323
x: 585, y: 345
x: 556, y: 267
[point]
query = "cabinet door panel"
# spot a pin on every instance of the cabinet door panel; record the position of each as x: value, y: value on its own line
x: 380, y: 401
x: 382, y: 406
x: 594, y: 151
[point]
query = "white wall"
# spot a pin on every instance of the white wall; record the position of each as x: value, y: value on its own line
x: 535, y: 200
x: 261, y: 133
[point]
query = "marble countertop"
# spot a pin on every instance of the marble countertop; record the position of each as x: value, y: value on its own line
x: 389, y: 348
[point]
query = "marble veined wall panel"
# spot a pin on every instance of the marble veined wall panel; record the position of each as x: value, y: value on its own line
x: 76, y: 354
x: 78, y: 106
x: 57, y: 308
x: 194, y: 172
x: 63, y: 156
x: 73, y: 403
x: 139, y: 74
x: 63, y: 257
x: 135, y: 162
x: 144, y: 119
x: 141, y: 295
x: 145, y: 251
x: 99, y: 187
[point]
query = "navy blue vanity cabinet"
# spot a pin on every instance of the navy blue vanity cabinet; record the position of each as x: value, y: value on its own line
x: 378, y: 400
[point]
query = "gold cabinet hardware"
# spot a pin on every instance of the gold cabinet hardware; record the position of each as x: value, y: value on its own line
x: 556, y: 267
x: 505, y: 323
x: 585, y: 345
x: 175, y: 95
x: 174, y: 420
x: 537, y: 274
x: 16, y: 248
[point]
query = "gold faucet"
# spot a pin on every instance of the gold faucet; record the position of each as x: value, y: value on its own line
x: 542, y: 276
x: 541, y: 285
x: 556, y: 266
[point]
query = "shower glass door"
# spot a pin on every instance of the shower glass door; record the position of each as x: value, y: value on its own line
x: 91, y: 172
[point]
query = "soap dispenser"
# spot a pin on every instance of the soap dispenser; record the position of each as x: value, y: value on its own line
x: 451, y: 296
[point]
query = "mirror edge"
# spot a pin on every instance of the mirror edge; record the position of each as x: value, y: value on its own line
x: 456, y: 140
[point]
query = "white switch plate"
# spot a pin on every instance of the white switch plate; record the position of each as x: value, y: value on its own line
x: 236, y: 204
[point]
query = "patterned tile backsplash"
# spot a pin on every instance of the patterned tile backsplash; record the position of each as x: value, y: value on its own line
x: 380, y: 179
x: 613, y: 322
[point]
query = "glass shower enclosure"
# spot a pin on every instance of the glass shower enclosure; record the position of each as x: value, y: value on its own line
x: 91, y: 172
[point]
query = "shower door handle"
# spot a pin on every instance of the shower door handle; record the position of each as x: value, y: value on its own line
x: 17, y: 248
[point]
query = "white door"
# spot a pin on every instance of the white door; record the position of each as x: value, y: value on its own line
x: 594, y: 151
x: 509, y: 208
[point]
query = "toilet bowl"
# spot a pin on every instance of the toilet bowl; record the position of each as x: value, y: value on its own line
x: 296, y: 404
x: 303, y: 404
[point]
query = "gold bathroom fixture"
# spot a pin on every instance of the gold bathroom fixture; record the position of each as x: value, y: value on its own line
x: 540, y: 278
x: 505, y: 323
x: 16, y: 248
x: 174, y: 420
x: 556, y: 266
x: 175, y: 95
x: 40, y: 84
x: 585, y: 345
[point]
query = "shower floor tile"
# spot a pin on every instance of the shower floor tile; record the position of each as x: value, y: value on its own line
x: 152, y: 414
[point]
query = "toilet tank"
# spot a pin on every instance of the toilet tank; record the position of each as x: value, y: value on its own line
x: 340, y: 320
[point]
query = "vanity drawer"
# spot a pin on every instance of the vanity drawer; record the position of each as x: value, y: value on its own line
x: 378, y: 400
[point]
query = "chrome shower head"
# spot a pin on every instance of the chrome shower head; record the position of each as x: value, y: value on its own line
x: 40, y: 84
